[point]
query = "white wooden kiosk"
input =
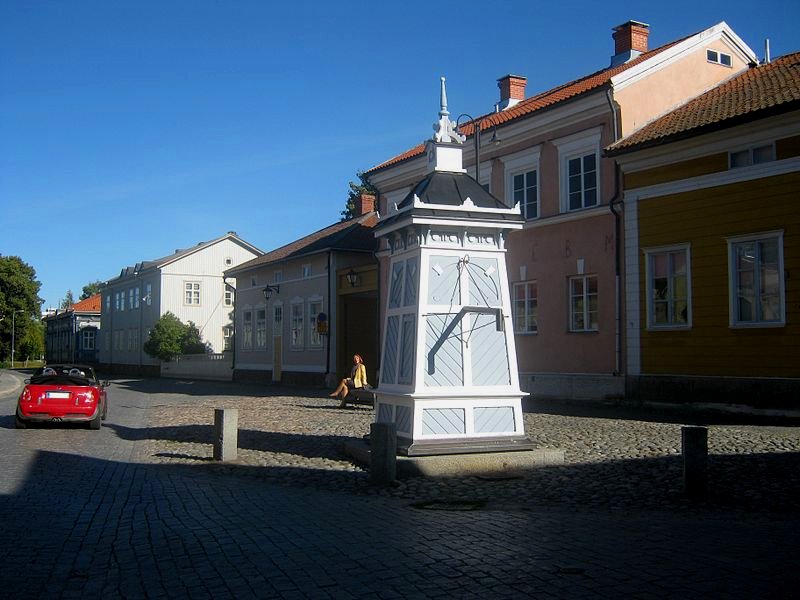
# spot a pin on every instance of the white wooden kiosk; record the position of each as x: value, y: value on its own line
x: 449, y: 378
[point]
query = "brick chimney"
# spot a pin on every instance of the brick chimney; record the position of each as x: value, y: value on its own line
x: 512, y: 90
x: 364, y: 204
x: 630, y: 40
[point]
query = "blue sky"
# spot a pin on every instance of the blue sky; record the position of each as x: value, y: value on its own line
x: 129, y: 129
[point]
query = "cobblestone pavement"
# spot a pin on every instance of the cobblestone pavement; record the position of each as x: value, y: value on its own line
x: 137, y: 510
x: 617, y: 462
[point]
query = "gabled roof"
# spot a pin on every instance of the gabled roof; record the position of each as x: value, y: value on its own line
x: 539, y: 102
x: 159, y: 263
x: 759, y: 92
x: 353, y: 235
x: 90, y: 304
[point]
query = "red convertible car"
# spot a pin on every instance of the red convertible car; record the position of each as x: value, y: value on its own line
x: 57, y: 393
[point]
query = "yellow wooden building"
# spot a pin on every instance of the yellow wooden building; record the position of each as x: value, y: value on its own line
x: 712, y: 245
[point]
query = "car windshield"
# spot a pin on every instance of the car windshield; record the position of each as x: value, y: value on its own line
x: 64, y: 374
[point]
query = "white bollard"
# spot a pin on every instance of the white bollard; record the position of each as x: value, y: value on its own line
x: 226, y: 433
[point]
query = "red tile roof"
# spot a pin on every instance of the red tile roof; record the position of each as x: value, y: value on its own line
x: 91, y: 304
x: 759, y: 92
x: 538, y: 102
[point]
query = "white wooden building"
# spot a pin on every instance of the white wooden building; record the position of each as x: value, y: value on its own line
x: 188, y: 283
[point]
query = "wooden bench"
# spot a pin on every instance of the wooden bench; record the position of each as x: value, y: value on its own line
x: 365, y: 396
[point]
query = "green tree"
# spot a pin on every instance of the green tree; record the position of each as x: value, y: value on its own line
x: 68, y: 300
x: 192, y: 340
x: 19, y: 301
x: 90, y: 289
x: 363, y: 186
x: 170, y: 338
x: 31, y: 346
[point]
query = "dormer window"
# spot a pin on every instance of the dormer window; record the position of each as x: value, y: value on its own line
x: 719, y: 58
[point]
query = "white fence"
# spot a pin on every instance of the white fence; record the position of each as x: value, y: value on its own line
x: 200, y: 366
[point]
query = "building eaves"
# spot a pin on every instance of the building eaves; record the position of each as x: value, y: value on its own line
x: 761, y: 91
x: 535, y: 105
x: 353, y: 235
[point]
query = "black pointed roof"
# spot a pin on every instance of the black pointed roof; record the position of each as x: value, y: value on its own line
x: 451, y: 189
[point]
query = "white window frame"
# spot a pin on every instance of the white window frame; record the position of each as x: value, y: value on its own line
x: 574, y: 146
x: 247, y: 329
x: 277, y: 277
x: 121, y: 304
x: 136, y: 292
x: 88, y: 339
x: 306, y: 270
x: 260, y: 328
x: 717, y: 57
x: 228, y: 298
x: 517, y: 164
x: 227, y: 336
x: 733, y: 280
x: 148, y: 292
x: 297, y: 324
x: 649, y: 253
x: 314, y: 338
x: 192, y: 295
x: 570, y: 297
x: 515, y: 307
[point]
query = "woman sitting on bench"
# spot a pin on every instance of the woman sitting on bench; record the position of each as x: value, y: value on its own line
x: 357, y: 380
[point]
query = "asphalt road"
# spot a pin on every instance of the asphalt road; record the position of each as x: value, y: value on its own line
x: 83, y: 517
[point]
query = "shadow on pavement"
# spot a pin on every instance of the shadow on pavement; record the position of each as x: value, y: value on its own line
x: 309, y: 446
x: 675, y: 414
x: 187, y: 387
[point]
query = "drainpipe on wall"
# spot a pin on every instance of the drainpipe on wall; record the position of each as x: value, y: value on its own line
x: 616, y: 200
x: 331, y: 291
x: 225, y: 285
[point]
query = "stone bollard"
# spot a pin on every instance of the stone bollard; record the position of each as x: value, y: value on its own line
x: 226, y: 433
x: 383, y: 453
x: 694, y: 448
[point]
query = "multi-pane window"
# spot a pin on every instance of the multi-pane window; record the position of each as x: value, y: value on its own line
x: 306, y: 271
x: 108, y: 302
x: 582, y: 181
x: 261, y: 328
x: 121, y: 301
x: 277, y: 319
x: 130, y: 299
x: 314, y: 309
x: 583, y: 303
x: 191, y: 293
x: 227, y: 337
x: 756, y: 273
x: 87, y: 339
x: 752, y: 156
x: 296, y: 325
x: 148, y: 293
x: 133, y: 340
x: 525, y: 307
x: 228, y: 298
x: 668, y: 301
x: 719, y: 58
x: 525, y: 191
x: 247, y: 330
x: 136, y: 297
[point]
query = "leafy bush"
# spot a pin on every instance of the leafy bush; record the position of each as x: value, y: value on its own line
x: 170, y: 338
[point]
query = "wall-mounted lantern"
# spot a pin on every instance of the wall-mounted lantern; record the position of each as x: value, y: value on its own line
x: 269, y: 289
x: 353, y: 278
